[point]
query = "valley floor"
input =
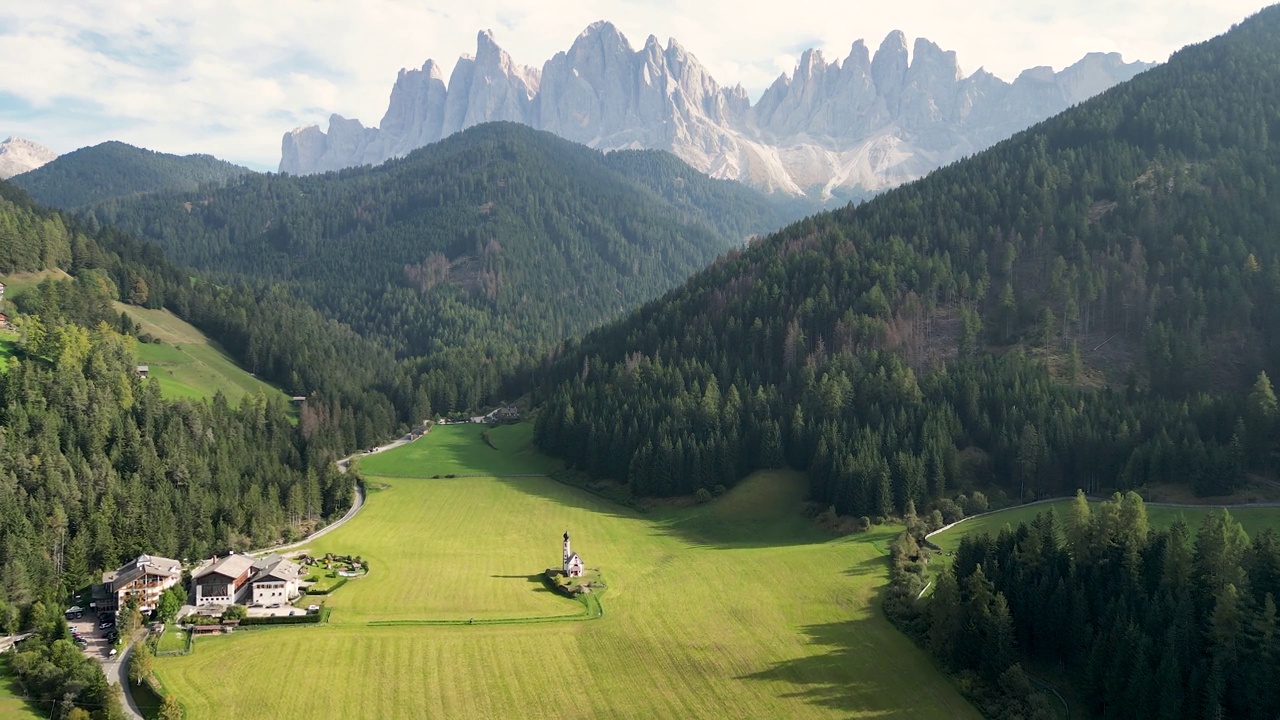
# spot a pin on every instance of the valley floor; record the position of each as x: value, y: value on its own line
x: 739, y: 608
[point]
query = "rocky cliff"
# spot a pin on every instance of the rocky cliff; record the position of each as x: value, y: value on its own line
x: 19, y: 155
x: 829, y: 129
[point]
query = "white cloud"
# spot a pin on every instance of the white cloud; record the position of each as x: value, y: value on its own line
x: 230, y: 76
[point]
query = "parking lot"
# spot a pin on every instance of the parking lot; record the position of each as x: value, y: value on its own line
x: 96, y: 639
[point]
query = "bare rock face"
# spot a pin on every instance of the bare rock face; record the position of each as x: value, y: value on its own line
x: 19, y: 155
x: 828, y: 129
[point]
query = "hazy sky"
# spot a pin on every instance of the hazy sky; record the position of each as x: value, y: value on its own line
x: 229, y: 77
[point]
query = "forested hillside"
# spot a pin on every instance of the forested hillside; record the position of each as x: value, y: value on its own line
x: 474, y: 253
x: 1176, y: 623
x: 96, y: 467
x: 1090, y: 304
x: 115, y: 169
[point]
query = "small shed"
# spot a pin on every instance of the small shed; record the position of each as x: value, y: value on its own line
x: 143, y: 371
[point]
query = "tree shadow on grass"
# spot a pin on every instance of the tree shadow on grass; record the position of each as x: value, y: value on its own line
x: 535, y: 579
x: 870, y: 566
x: 840, y: 677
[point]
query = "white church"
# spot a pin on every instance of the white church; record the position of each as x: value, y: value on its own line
x: 573, y: 565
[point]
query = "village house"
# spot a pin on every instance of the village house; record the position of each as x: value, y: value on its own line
x: 223, y: 582
x: 275, y: 581
x: 145, y: 578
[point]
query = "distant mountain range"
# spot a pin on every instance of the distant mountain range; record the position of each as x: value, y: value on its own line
x: 830, y: 129
x: 115, y: 169
x: 18, y: 155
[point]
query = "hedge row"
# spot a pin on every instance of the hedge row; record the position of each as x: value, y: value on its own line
x: 306, y: 619
x: 331, y: 588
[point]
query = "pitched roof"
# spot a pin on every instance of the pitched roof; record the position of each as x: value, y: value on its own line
x: 232, y: 566
x: 275, y: 567
x: 141, y: 565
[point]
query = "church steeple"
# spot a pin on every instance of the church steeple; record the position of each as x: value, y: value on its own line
x: 567, y: 553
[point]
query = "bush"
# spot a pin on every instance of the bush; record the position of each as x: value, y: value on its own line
x: 951, y: 512
x: 236, y: 612
x: 878, y: 520
x: 702, y: 496
x: 303, y: 619
x: 719, y: 490
x: 865, y: 522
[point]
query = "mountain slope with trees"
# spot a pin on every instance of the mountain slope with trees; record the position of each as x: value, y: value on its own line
x: 955, y: 333
x: 115, y: 169
x: 474, y: 254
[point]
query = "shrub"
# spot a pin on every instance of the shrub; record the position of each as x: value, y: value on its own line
x: 702, y: 496
x: 236, y: 612
x: 302, y: 619
x: 878, y: 520
x: 865, y: 522
x: 951, y: 512
x: 719, y: 490
x: 935, y: 520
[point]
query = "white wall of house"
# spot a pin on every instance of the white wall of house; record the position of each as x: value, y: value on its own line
x: 273, y: 591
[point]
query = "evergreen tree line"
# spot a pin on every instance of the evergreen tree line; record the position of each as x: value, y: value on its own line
x: 1166, y: 624
x: 1085, y: 305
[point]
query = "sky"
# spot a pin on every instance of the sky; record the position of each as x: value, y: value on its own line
x: 230, y: 77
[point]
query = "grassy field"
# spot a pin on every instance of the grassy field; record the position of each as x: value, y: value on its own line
x: 461, y: 450
x: 739, y: 608
x: 1253, y: 519
x: 18, y: 283
x: 187, y: 364
x: 8, y: 344
x: 12, y: 706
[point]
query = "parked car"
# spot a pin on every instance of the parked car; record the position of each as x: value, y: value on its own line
x: 106, y: 624
x: 112, y: 652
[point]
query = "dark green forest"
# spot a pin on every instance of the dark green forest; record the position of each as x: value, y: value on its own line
x: 96, y: 467
x: 1087, y: 305
x: 115, y: 169
x: 1165, y: 624
x: 472, y: 256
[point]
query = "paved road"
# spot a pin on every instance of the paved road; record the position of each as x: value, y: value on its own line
x: 117, y: 671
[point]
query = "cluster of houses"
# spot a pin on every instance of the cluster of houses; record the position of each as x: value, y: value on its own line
x: 231, y: 580
x: 506, y: 413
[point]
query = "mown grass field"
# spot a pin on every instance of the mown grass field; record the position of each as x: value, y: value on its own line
x: 461, y: 450
x: 187, y: 364
x: 1254, y: 520
x: 12, y: 706
x: 739, y: 608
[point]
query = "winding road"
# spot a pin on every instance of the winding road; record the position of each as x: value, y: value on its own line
x: 117, y: 669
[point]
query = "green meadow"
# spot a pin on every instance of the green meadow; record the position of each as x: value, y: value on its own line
x: 1254, y: 520
x: 738, y: 608
x: 12, y: 706
x: 186, y: 363
x: 462, y: 450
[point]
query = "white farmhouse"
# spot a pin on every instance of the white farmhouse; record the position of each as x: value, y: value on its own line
x: 276, y: 581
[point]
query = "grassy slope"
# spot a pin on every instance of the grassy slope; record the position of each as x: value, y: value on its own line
x: 1253, y: 519
x: 8, y: 344
x: 735, y: 609
x: 12, y: 706
x: 187, y: 364
x: 19, y: 282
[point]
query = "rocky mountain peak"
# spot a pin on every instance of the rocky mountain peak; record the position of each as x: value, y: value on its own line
x: 19, y: 155
x: 829, y: 128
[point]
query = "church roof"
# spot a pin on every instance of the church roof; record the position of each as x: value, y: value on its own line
x: 574, y: 556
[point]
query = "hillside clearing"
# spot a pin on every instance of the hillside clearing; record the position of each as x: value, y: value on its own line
x: 187, y: 364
